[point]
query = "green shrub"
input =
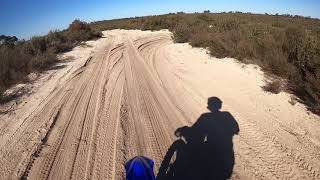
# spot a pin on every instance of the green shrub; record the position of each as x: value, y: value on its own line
x: 181, y: 33
x: 38, y: 44
x: 43, y: 60
x: 218, y: 48
x: 18, y: 58
x: 200, y: 39
x: 13, y: 65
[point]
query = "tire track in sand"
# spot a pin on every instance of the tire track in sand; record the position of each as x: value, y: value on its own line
x: 127, y: 100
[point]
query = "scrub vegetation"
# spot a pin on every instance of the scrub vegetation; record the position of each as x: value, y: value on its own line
x: 284, y: 45
x: 19, y: 57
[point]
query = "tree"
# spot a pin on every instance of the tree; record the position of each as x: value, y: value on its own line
x: 8, y: 40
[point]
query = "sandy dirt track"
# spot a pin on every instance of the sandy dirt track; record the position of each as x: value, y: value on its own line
x: 128, y: 94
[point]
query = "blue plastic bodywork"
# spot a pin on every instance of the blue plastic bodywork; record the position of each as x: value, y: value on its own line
x: 139, y: 168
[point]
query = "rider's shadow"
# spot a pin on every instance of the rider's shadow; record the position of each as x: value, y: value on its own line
x: 204, y: 150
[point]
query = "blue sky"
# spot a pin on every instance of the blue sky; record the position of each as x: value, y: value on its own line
x: 25, y: 18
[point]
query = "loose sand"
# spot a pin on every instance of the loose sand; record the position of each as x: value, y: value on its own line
x: 127, y: 93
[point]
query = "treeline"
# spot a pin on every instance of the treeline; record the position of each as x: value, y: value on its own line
x: 19, y: 57
x: 287, y: 46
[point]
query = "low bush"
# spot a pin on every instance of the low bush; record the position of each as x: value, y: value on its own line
x: 181, y: 33
x: 273, y: 87
x: 18, y: 58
